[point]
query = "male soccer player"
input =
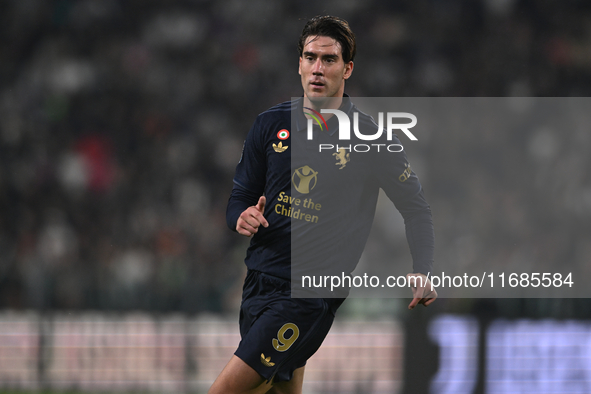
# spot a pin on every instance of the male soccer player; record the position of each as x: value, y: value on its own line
x: 280, y: 333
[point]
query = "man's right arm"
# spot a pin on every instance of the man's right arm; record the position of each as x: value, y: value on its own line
x: 244, y: 213
x: 246, y: 205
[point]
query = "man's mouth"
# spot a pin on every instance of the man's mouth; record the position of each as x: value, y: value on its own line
x: 317, y: 84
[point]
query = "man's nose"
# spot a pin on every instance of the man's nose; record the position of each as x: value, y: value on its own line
x: 318, y: 67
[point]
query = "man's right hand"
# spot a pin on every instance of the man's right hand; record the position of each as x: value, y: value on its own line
x: 250, y: 220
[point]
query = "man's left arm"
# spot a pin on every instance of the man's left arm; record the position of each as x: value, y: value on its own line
x: 420, y: 235
x: 402, y: 186
x: 418, y: 223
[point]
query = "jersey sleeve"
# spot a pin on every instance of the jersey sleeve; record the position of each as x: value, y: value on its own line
x: 402, y: 186
x: 249, y: 180
x: 252, y: 168
x: 420, y: 234
x: 239, y: 201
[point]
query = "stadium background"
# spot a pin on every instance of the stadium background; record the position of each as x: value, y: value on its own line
x: 120, y: 126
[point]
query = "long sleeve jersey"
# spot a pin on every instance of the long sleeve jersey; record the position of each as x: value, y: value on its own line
x: 321, y: 202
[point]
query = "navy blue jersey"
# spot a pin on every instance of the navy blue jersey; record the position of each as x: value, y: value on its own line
x: 321, y: 205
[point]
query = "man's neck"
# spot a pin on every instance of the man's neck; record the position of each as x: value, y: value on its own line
x: 324, y: 103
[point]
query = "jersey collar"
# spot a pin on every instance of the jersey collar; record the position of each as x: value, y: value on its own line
x: 301, y: 121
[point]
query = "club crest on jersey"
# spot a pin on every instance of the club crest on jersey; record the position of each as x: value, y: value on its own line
x: 279, y: 147
x: 283, y: 134
x: 342, y: 158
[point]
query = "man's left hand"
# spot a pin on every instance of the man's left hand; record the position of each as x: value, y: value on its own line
x: 421, y: 290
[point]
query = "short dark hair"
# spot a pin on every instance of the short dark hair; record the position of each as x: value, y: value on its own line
x: 333, y: 27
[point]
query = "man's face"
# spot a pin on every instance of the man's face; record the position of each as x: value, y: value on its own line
x: 322, y: 68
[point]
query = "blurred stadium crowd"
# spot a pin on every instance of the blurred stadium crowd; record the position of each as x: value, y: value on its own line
x: 121, y: 123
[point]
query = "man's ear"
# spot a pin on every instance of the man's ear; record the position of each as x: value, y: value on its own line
x: 300, y: 66
x: 348, y: 70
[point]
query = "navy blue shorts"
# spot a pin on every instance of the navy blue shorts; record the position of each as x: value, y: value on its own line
x: 279, y: 333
